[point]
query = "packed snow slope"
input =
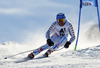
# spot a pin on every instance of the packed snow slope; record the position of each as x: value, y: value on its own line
x: 88, y: 56
x: 84, y: 58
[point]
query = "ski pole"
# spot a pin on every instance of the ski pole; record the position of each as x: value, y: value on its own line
x: 17, y: 54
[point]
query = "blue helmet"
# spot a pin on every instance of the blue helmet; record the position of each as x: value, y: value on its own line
x: 60, y: 16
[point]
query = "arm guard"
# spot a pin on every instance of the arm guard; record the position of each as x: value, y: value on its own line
x: 71, y: 32
x: 50, y: 30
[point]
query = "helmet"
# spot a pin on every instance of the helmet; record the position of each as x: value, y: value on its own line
x: 60, y: 19
x: 60, y: 16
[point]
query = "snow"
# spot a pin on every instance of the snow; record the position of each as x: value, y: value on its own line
x: 87, y: 54
x: 19, y: 24
x: 83, y: 58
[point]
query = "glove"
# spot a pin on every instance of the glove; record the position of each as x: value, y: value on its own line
x: 49, y: 42
x: 67, y: 44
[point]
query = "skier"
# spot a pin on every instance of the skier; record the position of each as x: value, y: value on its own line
x: 61, y: 28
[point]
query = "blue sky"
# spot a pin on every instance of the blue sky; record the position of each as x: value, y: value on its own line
x: 20, y: 18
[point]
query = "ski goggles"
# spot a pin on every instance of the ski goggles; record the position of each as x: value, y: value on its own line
x: 61, y: 20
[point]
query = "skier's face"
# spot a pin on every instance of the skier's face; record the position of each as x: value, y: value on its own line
x: 61, y: 22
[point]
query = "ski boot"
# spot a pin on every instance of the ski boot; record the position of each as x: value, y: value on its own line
x: 46, y: 55
x: 31, y: 56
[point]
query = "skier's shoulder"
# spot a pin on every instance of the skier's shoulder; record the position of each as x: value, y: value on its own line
x: 54, y: 23
x: 68, y: 23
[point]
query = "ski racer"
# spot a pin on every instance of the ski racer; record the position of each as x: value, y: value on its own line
x: 60, y: 30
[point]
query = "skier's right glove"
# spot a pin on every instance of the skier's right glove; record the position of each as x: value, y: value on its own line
x: 49, y: 42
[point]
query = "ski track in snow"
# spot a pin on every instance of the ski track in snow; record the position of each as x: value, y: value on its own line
x: 85, y: 58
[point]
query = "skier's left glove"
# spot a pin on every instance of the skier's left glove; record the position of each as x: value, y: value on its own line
x: 49, y: 42
x: 67, y: 44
